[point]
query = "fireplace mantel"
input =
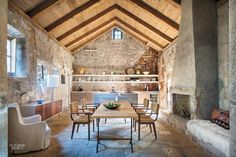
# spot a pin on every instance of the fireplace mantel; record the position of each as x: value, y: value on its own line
x: 184, y: 90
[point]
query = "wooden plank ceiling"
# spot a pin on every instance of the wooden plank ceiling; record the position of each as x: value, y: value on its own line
x: 76, y: 23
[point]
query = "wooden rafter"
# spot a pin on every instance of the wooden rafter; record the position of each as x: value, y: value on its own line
x: 156, y: 13
x: 150, y: 27
x: 144, y: 42
x: 85, y: 23
x: 126, y: 28
x: 177, y: 2
x: 140, y: 33
x: 71, y: 14
x: 106, y: 11
x: 100, y: 27
x: 45, y: 5
x: 90, y: 32
x: 93, y: 38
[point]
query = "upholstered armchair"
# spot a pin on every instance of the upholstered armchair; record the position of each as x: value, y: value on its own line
x: 26, y: 133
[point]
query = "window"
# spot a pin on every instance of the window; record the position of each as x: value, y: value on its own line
x: 16, y: 53
x: 11, y: 56
x: 117, y: 34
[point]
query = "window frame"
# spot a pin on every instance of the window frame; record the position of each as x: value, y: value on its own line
x: 117, y: 34
x: 11, y: 69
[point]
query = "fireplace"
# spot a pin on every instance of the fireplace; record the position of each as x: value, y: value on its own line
x: 182, y: 106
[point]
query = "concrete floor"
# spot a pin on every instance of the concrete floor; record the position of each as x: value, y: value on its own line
x: 169, y: 142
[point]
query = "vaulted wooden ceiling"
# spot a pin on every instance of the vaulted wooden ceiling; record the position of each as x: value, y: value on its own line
x: 76, y: 23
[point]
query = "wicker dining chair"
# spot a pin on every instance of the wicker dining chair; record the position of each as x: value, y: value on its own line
x: 147, y: 119
x: 142, y: 108
x: 90, y: 107
x: 80, y: 116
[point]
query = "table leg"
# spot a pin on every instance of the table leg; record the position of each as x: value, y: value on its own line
x: 97, y: 134
x: 131, y: 136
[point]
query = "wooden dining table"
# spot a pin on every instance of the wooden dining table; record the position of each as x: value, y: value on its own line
x: 124, y: 111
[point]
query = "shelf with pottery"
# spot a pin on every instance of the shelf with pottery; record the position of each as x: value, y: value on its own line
x: 115, y: 78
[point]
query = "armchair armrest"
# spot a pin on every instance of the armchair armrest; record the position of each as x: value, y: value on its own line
x: 32, y: 119
x: 137, y: 105
x: 81, y: 112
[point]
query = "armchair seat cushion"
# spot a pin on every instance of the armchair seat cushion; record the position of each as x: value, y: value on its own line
x: 140, y: 111
x: 82, y: 119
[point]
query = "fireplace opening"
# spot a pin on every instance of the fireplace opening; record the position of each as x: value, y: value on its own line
x: 181, y: 105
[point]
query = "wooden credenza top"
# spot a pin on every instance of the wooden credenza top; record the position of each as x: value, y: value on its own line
x: 46, y: 109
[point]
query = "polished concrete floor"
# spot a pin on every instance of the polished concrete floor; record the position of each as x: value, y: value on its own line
x: 169, y: 142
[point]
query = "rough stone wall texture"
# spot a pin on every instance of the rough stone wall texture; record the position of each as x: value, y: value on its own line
x: 232, y: 74
x: 165, y: 95
x: 3, y: 38
x: 223, y: 54
x: 3, y: 79
x: 108, y: 55
x: 40, y: 49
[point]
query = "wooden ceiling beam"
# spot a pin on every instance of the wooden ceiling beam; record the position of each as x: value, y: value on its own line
x: 71, y: 14
x: 100, y: 33
x: 124, y: 11
x: 177, y: 2
x: 140, y: 33
x: 144, y: 42
x: 45, y: 5
x: 100, y: 27
x: 83, y: 24
x: 150, y: 27
x: 96, y: 29
x: 156, y: 13
x: 90, y: 32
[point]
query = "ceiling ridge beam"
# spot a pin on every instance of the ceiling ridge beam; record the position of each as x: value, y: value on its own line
x: 150, y: 27
x: 156, y: 13
x: 90, y: 32
x: 92, y: 38
x: 43, y: 6
x: 71, y: 14
x: 124, y: 11
x: 144, y: 42
x: 81, y: 25
x: 140, y: 33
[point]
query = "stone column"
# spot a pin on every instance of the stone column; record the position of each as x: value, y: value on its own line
x: 3, y: 78
x: 232, y: 74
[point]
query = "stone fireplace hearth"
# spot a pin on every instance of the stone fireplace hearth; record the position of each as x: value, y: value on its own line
x: 181, y: 105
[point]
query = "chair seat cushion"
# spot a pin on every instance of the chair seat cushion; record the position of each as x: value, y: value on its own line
x: 145, y: 119
x: 82, y: 119
x: 140, y: 111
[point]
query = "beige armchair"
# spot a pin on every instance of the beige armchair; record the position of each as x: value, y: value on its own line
x: 26, y: 133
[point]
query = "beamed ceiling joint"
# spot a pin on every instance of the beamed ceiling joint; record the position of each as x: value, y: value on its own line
x: 128, y: 27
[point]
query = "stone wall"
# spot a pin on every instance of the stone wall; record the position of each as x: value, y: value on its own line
x: 39, y: 49
x: 108, y: 55
x: 232, y: 75
x: 223, y: 53
x: 3, y: 79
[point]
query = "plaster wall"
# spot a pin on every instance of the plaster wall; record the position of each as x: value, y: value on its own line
x: 223, y: 54
x: 232, y: 75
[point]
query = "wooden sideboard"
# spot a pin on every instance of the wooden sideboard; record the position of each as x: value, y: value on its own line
x: 46, y: 110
